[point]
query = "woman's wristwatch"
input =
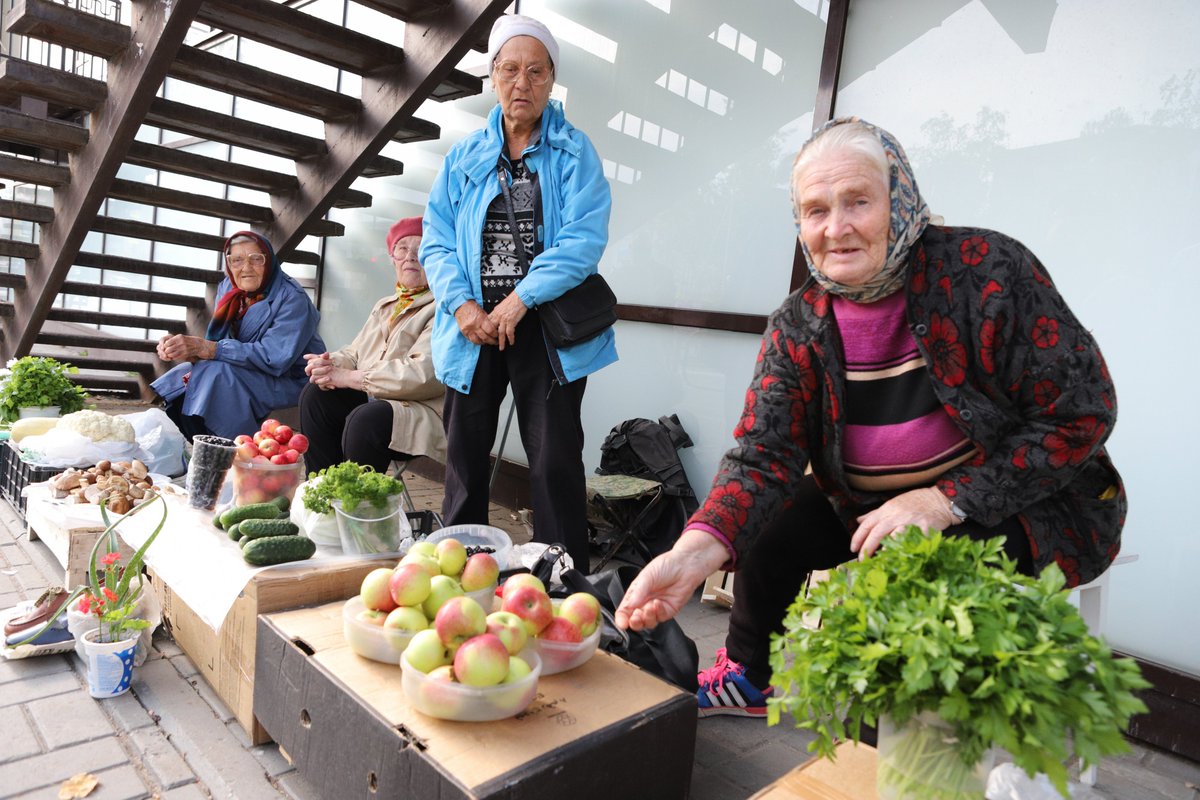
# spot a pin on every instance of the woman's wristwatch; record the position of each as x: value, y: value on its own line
x: 958, y: 512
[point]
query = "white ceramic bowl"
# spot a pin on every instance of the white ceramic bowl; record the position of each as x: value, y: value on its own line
x: 455, y: 701
x: 371, y: 641
x: 561, y: 656
x: 478, y: 536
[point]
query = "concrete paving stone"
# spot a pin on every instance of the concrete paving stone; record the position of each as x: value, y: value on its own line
x: 714, y: 752
x: 192, y: 791
x: 294, y: 786
x: 184, y: 666
x: 46, y: 686
x: 17, y: 778
x: 29, y: 668
x: 14, y: 555
x: 764, y: 764
x: 161, y: 758
x: 219, y: 709
x: 268, y: 755
x: 121, y: 783
x: 713, y: 784
x: 20, y: 740
x: 9, y: 584
x: 166, y: 645
x: 1117, y: 775
x: 10, y: 599
x: 1166, y: 764
x: 238, y: 733
x: 67, y: 719
x: 127, y: 713
x: 224, y: 767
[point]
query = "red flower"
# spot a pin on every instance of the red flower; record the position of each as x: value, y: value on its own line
x: 989, y: 343
x: 919, y: 282
x: 85, y: 604
x: 1073, y: 442
x: 1045, y: 392
x: 797, y: 429
x: 973, y: 250
x: 110, y: 594
x: 108, y: 559
x: 748, y: 419
x: 1039, y: 277
x: 730, y: 502
x: 1020, y: 457
x: 947, y: 487
x: 806, y: 379
x: 1070, y: 568
x: 949, y: 355
x: 1045, y: 332
x: 990, y: 289
x: 944, y: 285
x: 818, y: 299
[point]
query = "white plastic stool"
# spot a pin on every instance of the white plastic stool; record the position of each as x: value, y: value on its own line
x: 1093, y: 607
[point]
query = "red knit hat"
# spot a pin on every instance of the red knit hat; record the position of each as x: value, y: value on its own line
x: 409, y: 226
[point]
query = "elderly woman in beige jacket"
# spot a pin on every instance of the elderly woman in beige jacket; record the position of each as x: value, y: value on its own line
x: 377, y: 399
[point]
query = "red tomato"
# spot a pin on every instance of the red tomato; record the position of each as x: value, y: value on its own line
x: 282, y: 434
x: 299, y: 443
x: 269, y: 425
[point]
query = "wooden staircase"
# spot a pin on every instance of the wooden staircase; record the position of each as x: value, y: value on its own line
x: 71, y: 134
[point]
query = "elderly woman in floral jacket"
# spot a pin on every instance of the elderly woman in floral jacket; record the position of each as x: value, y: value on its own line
x: 927, y: 375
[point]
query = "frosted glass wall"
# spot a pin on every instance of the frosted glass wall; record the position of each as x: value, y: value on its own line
x: 1075, y: 127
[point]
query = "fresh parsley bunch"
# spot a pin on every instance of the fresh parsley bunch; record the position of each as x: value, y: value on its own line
x: 352, y: 484
x: 946, y: 624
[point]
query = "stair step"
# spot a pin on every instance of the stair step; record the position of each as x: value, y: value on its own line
x: 204, y: 68
x: 194, y: 165
x: 68, y: 27
x: 134, y: 266
x: 407, y: 9
x: 24, y: 170
x: 144, y: 366
x: 19, y: 77
x: 86, y: 342
x: 50, y: 133
x: 116, y: 320
x: 160, y: 233
x: 132, y: 295
x: 6, y: 309
x: 138, y: 192
x: 30, y: 212
x: 25, y: 250
x: 11, y: 280
x: 119, y: 385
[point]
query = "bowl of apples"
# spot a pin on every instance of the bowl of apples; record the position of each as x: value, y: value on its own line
x: 268, y: 464
x: 368, y: 633
x: 469, y: 666
x: 565, y: 633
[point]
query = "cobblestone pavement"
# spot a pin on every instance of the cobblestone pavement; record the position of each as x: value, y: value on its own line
x: 171, y: 737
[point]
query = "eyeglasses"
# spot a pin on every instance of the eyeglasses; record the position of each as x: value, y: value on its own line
x: 400, y: 253
x: 510, y: 71
x: 237, y: 262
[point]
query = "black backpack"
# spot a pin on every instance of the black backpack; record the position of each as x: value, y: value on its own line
x: 646, y: 449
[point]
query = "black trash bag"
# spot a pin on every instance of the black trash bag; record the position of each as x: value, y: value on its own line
x: 665, y: 650
x: 646, y: 449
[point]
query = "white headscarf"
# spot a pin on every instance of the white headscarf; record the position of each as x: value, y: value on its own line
x: 511, y: 25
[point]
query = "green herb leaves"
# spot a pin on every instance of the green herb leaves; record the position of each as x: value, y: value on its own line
x: 352, y: 484
x: 945, y: 624
x: 37, y: 381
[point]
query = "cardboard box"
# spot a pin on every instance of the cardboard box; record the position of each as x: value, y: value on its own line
x: 850, y: 777
x: 605, y: 729
x: 225, y: 657
x: 69, y: 531
x: 718, y: 589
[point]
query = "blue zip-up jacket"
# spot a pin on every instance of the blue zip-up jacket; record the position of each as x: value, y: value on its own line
x: 575, y: 206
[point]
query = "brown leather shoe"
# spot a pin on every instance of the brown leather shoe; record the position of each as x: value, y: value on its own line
x: 47, y: 606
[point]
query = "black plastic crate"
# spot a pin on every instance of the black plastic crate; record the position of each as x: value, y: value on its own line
x: 421, y: 523
x: 16, y: 474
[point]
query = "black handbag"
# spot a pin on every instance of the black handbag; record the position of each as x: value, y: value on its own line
x: 579, y: 314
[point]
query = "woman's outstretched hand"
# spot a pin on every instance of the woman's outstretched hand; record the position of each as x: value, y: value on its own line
x: 666, y: 584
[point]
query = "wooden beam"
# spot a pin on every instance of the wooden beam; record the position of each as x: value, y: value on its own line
x: 30, y: 212
x: 406, y: 10
x: 134, y: 76
x: 204, y: 68
x: 53, y: 85
x: 85, y: 341
x: 24, y: 170
x: 117, y: 320
x: 151, y: 195
x: 47, y: 133
x: 694, y: 318
x: 219, y: 127
x: 154, y: 269
x: 69, y: 27
x: 390, y: 97
x: 184, y: 162
x: 25, y: 250
x: 159, y: 233
x: 132, y: 295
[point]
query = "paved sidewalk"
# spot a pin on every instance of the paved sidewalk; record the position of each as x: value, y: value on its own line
x: 171, y: 737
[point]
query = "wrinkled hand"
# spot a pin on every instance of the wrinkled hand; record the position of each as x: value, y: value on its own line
x: 321, y: 371
x: 185, y: 348
x: 475, y: 324
x: 507, y: 313
x: 928, y: 509
x: 666, y: 584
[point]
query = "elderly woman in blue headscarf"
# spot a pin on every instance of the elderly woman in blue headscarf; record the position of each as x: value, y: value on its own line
x: 251, y: 359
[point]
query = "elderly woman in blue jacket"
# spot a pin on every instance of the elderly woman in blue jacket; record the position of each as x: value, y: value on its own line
x: 250, y: 360
x: 487, y: 334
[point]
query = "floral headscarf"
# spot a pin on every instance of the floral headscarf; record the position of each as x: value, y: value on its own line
x: 910, y: 216
x: 233, y: 304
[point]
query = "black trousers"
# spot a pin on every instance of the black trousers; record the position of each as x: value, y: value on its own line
x: 805, y: 537
x: 551, y: 432
x: 345, y: 425
x: 189, y: 424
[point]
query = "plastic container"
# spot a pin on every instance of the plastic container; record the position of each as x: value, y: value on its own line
x: 261, y: 483
x: 367, y: 529
x: 478, y: 536
x: 211, y: 459
x: 372, y: 641
x: 561, y: 656
x: 455, y: 701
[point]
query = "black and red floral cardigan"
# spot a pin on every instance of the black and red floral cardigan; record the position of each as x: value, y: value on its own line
x: 1011, y: 365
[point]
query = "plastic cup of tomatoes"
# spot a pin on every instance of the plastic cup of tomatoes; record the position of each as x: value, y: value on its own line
x: 269, y: 463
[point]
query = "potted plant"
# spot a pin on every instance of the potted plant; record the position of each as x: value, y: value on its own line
x: 366, y: 503
x: 39, y: 383
x: 112, y: 595
x: 940, y: 639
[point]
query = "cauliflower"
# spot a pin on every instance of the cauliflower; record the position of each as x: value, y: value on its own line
x: 98, y: 426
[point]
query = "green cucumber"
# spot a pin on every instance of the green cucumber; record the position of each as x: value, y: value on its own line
x: 282, y: 503
x: 217, y: 522
x: 258, y: 528
x: 252, y: 511
x: 278, y: 550
x: 235, y: 532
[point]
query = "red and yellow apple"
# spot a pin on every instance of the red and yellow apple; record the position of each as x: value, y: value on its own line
x: 529, y: 603
x: 409, y: 584
x: 426, y: 652
x: 583, y: 609
x: 481, y: 660
x: 459, y: 619
x: 374, y: 591
x: 510, y: 629
x: 480, y: 572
